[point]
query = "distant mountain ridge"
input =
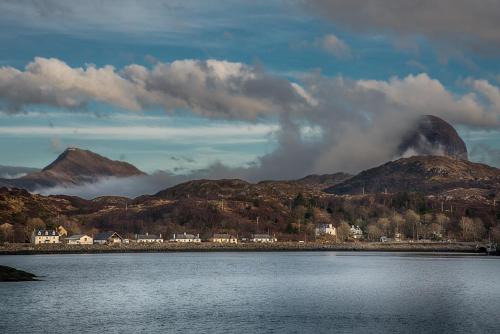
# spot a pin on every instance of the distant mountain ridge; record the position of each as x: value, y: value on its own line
x: 74, y: 166
x: 13, y: 172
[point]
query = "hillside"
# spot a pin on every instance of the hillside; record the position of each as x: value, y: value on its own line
x: 426, y: 174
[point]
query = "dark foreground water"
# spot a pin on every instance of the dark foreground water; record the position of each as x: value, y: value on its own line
x: 309, y: 292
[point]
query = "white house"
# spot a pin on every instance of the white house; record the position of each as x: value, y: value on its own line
x: 224, y: 238
x: 45, y: 237
x: 356, y: 232
x: 325, y: 229
x: 263, y: 238
x: 184, y: 237
x: 148, y: 238
x: 79, y: 239
x: 108, y: 237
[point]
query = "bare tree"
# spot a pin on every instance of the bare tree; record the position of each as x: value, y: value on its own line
x: 398, y: 222
x: 412, y: 220
x: 374, y: 232
x: 471, y: 229
x: 443, y: 221
x: 384, y: 225
x: 495, y: 234
x: 343, y: 231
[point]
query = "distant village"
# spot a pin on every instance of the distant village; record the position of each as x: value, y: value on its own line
x: 60, y: 236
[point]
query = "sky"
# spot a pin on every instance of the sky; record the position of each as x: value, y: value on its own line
x: 250, y: 89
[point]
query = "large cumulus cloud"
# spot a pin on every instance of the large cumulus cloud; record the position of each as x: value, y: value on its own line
x: 210, y: 88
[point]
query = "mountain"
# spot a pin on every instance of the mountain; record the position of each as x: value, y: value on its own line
x: 426, y: 174
x: 432, y: 135
x: 74, y: 166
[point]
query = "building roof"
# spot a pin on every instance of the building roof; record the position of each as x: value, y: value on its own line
x: 77, y: 236
x: 106, y: 235
x: 261, y: 236
x: 50, y: 233
x: 147, y: 236
x: 184, y: 236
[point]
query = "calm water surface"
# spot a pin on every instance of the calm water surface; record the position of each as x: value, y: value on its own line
x: 321, y: 292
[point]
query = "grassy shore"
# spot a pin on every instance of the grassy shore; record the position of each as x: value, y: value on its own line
x: 12, y: 249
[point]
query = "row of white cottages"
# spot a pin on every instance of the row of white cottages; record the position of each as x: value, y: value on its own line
x: 54, y: 237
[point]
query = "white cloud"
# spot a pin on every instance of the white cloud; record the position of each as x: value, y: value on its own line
x: 210, y: 88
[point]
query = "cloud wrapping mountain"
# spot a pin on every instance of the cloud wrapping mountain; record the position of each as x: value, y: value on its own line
x: 356, y: 124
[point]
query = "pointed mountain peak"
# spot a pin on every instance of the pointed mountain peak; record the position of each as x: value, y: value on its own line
x: 79, y: 162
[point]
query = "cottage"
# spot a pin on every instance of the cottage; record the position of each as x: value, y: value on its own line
x: 45, y: 237
x: 108, y: 237
x: 148, y: 238
x: 79, y: 239
x: 356, y: 232
x: 325, y: 229
x: 184, y: 237
x: 224, y: 239
x: 263, y: 238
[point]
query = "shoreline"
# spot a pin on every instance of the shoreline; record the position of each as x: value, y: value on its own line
x: 28, y: 249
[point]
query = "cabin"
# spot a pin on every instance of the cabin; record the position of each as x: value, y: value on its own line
x: 223, y: 238
x: 79, y: 239
x: 148, y: 238
x: 39, y: 237
x: 108, y: 238
x: 263, y: 238
x: 325, y: 229
x: 62, y: 231
x: 185, y: 237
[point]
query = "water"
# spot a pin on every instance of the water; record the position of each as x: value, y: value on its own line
x: 309, y: 292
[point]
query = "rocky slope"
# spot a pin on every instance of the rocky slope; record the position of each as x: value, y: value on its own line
x: 426, y: 174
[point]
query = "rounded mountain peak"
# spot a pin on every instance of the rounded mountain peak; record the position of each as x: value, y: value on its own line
x: 432, y: 135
